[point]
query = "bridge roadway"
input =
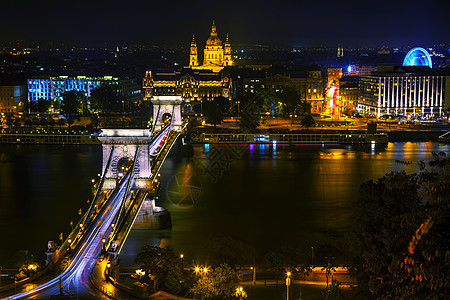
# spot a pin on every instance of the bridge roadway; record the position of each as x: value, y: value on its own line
x: 75, y: 278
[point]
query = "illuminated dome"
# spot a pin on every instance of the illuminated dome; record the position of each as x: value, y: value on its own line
x: 418, y: 57
x: 213, y: 39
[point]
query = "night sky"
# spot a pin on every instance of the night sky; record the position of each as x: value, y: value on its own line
x: 285, y: 23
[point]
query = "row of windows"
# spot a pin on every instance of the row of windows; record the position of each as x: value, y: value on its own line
x: 12, y: 138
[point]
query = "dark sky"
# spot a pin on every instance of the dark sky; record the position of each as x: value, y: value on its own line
x: 286, y: 23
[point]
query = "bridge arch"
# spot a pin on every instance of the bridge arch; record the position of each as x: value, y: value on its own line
x: 122, y: 144
x: 163, y: 105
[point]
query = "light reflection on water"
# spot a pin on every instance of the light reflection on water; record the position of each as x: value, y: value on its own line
x: 273, y: 194
x: 268, y: 195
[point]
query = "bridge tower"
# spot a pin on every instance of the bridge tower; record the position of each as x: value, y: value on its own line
x: 167, y: 106
x: 123, y: 144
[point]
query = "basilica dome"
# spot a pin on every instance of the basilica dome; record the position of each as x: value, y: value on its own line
x: 213, y: 39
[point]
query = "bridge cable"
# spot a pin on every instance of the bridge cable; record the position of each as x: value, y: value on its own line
x: 100, y: 185
x: 122, y: 205
x: 155, y: 120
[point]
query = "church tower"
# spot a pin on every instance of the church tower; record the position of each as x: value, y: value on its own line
x: 227, y: 61
x: 193, y: 57
x: 216, y: 54
x: 213, y: 53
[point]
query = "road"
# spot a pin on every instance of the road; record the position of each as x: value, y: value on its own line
x: 75, y: 278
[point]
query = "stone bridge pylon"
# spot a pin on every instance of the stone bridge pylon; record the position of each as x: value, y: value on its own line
x: 122, y: 144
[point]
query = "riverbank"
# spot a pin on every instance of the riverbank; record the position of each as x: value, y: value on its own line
x: 394, y: 134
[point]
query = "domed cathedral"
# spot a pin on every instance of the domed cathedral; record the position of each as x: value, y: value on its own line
x: 216, y: 54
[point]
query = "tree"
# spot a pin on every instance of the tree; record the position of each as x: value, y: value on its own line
x: 105, y: 99
x: 164, y: 270
x: 287, y: 258
x: 214, y: 110
x: 249, y: 120
x: 219, y: 283
x: 26, y: 263
x: 231, y: 251
x: 398, y: 244
x: 290, y: 100
x: 42, y: 106
x: 71, y: 105
x: 308, y: 121
x: 334, y: 292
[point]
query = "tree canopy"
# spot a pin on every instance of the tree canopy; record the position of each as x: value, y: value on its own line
x: 71, y: 104
x: 164, y: 270
x: 105, y: 99
x: 220, y: 282
x: 398, y: 244
x: 215, y: 109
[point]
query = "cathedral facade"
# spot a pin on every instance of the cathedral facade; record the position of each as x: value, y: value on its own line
x: 216, y: 54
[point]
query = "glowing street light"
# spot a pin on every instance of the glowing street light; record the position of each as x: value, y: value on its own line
x: 181, y: 255
x: 288, y: 283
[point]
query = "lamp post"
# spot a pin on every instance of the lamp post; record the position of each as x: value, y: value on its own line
x: 288, y: 283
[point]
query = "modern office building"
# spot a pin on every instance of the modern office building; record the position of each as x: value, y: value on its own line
x: 414, y: 91
x: 11, y: 96
x: 53, y: 88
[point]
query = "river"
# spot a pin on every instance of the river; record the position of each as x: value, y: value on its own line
x: 266, y: 195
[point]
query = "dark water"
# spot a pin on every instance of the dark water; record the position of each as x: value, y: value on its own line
x: 266, y: 195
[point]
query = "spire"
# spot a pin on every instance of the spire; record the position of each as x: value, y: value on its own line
x: 213, y: 29
x: 193, y: 40
x: 227, y: 40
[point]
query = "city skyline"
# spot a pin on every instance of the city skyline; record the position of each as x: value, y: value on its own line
x: 285, y: 23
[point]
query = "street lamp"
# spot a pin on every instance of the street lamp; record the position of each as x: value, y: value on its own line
x: 288, y: 283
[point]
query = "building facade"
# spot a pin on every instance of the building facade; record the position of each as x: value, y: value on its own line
x: 194, y: 86
x: 309, y: 84
x: 11, y: 96
x: 349, y: 94
x: 54, y: 87
x: 216, y: 54
x: 334, y: 74
x: 421, y: 94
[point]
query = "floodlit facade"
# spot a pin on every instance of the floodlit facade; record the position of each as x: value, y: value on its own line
x: 10, y: 97
x: 404, y: 94
x: 191, y: 85
x: 216, y: 54
x: 54, y: 87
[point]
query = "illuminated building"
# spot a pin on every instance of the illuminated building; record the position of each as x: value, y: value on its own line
x: 11, y: 96
x: 193, y: 86
x: 216, y: 54
x: 349, y: 94
x: 52, y: 88
x: 340, y: 51
x: 418, y: 57
x: 356, y: 70
x: 405, y: 91
x: 334, y: 74
x: 307, y: 82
